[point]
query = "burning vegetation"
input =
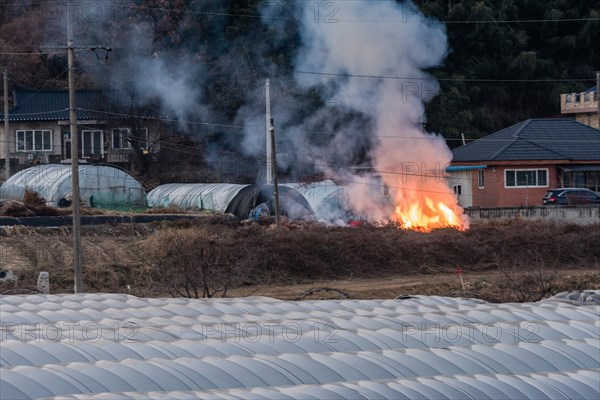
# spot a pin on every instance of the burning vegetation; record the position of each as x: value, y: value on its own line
x: 430, y: 215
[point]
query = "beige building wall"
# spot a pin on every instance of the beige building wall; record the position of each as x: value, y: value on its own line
x: 582, y: 106
x: 57, y: 151
x: 461, y: 183
x: 589, y: 119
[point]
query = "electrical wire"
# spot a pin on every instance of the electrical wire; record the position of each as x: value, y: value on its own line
x: 407, y: 17
x: 414, y: 78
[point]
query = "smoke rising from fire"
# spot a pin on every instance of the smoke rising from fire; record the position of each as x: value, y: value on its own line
x: 356, y: 91
x: 376, y: 54
x: 140, y: 70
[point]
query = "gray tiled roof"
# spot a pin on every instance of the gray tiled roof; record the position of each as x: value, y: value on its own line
x: 535, y: 139
x: 53, y: 105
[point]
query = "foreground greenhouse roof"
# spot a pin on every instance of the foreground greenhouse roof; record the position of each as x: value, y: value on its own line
x: 111, y: 346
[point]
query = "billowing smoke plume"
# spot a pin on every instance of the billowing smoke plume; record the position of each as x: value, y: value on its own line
x: 375, y: 53
x: 140, y: 71
x: 356, y: 94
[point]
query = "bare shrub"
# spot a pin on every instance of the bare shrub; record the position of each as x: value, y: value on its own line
x: 209, y: 257
x: 194, y: 263
x: 531, y: 284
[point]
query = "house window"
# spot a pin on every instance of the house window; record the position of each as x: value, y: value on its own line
x: 120, y: 138
x: 520, y: 178
x: 92, y: 143
x: 34, y: 140
x: 457, y: 189
x: 480, y: 179
x: 143, y: 138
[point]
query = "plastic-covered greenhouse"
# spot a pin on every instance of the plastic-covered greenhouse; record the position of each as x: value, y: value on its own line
x: 114, y: 346
x: 106, y: 186
x: 238, y: 200
x: 330, y: 201
x: 326, y: 199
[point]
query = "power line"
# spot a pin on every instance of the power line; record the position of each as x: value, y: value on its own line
x: 163, y: 119
x: 406, y: 18
x: 414, y: 78
x: 35, y: 113
x: 32, y: 53
x: 345, y: 75
x: 39, y: 53
x: 431, y: 20
x: 372, y: 76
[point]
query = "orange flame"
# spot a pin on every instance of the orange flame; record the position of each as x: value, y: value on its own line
x: 425, y: 214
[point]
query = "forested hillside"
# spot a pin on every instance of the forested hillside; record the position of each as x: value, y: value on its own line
x: 507, y: 60
x: 556, y: 53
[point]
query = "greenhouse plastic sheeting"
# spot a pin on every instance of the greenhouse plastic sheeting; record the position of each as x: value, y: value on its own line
x: 238, y: 200
x: 108, y: 187
x: 120, y: 346
x: 326, y: 199
x: 330, y: 201
x: 209, y: 196
x: 579, y: 384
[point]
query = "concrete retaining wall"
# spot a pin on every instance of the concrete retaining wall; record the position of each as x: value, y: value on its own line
x: 571, y: 214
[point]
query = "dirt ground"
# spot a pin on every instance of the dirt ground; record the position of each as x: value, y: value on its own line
x: 485, y: 285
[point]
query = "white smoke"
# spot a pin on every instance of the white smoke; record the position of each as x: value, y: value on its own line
x: 376, y: 55
x: 159, y: 80
x: 134, y: 73
x: 366, y: 60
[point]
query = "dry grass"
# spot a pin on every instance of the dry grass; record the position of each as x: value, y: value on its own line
x: 33, y: 205
x: 169, y: 210
x: 522, y: 261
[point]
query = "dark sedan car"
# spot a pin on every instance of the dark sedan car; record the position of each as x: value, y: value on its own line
x: 571, y: 196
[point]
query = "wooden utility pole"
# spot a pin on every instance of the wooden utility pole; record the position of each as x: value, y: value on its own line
x: 7, y: 141
x: 598, y: 100
x: 269, y: 177
x: 77, y: 268
x: 274, y: 169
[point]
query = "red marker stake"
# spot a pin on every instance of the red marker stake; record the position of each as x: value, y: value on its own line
x: 459, y: 273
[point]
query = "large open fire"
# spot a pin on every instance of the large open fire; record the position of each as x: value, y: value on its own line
x: 425, y: 203
x: 426, y: 214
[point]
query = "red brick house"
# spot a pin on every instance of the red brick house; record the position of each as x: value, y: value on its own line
x: 516, y: 166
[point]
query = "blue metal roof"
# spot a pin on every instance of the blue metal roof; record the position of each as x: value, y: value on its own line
x: 53, y: 105
x: 535, y: 139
